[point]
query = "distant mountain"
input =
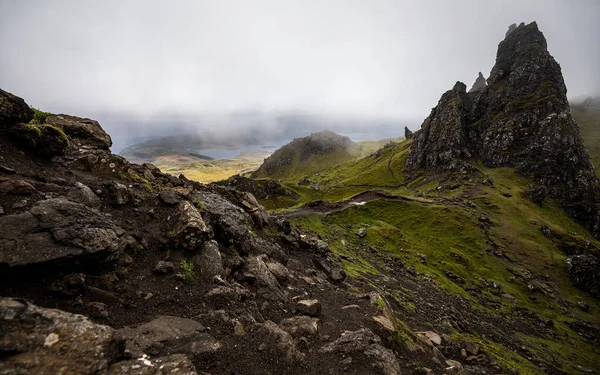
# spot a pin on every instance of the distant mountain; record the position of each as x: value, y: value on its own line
x: 305, y: 156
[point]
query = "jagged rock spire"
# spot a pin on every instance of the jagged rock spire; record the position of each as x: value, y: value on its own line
x: 479, y: 83
x: 408, y: 134
x: 522, y: 120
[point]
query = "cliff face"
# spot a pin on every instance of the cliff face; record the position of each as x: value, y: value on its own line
x: 522, y: 120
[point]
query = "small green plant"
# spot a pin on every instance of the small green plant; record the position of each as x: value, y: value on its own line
x: 39, y: 117
x: 188, y: 270
x: 199, y: 205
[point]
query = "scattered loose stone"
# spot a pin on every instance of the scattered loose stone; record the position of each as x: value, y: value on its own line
x: 310, y: 307
x: 164, y: 267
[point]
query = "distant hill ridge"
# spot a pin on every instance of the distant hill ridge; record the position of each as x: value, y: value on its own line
x: 306, y: 155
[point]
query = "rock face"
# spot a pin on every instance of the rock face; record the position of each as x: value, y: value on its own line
x: 13, y: 109
x: 479, y: 84
x: 521, y: 120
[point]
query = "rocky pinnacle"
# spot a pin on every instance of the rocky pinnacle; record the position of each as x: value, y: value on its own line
x: 521, y: 120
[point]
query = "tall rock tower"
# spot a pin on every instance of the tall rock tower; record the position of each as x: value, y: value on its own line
x: 521, y: 119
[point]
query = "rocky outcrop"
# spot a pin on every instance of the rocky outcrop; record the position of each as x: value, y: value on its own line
x: 13, y: 109
x: 85, y: 131
x: 479, y: 84
x: 57, y: 230
x: 408, y: 134
x: 521, y: 120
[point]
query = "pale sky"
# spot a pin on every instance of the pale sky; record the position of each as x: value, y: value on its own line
x: 147, y: 60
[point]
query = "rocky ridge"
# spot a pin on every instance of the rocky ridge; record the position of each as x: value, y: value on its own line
x: 521, y: 119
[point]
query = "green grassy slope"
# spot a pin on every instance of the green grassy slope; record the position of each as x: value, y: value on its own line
x: 485, y: 235
x: 305, y: 156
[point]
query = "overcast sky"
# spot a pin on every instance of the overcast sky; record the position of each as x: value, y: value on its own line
x: 353, y: 58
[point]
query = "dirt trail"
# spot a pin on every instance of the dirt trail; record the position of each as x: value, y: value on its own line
x: 391, y: 170
x: 325, y: 207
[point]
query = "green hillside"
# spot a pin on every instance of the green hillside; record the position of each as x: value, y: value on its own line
x: 305, y: 156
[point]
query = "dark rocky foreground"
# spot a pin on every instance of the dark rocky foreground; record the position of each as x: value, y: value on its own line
x: 520, y: 119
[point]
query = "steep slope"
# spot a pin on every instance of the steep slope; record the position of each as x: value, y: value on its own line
x: 304, y: 156
x: 521, y: 120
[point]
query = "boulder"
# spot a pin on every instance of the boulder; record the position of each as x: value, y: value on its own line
x: 281, y: 273
x: 16, y: 187
x: 83, y: 130
x: 189, y: 229
x: 176, y: 364
x: 270, y: 333
x: 164, y: 267
x: 13, y: 110
x: 223, y: 296
x: 84, y: 195
x: 300, y: 326
x: 209, y: 260
x: 256, y: 271
x: 311, y: 307
x: 58, y: 230
x: 331, y: 266
x: 365, y: 342
x: 167, y: 335
x: 35, y: 340
x: 118, y: 194
x: 170, y: 197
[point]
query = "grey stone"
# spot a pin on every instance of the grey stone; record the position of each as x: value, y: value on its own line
x: 299, y: 326
x: 265, y: 281
x: 279, y: 271
x: 189, y: 229
x: 271, y: 333
x: 209, y: 260
x: 176, y: 364
x: 169, y: 334
x: 364, y: 341
x: 84, y: 195
x: 118, y: 193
